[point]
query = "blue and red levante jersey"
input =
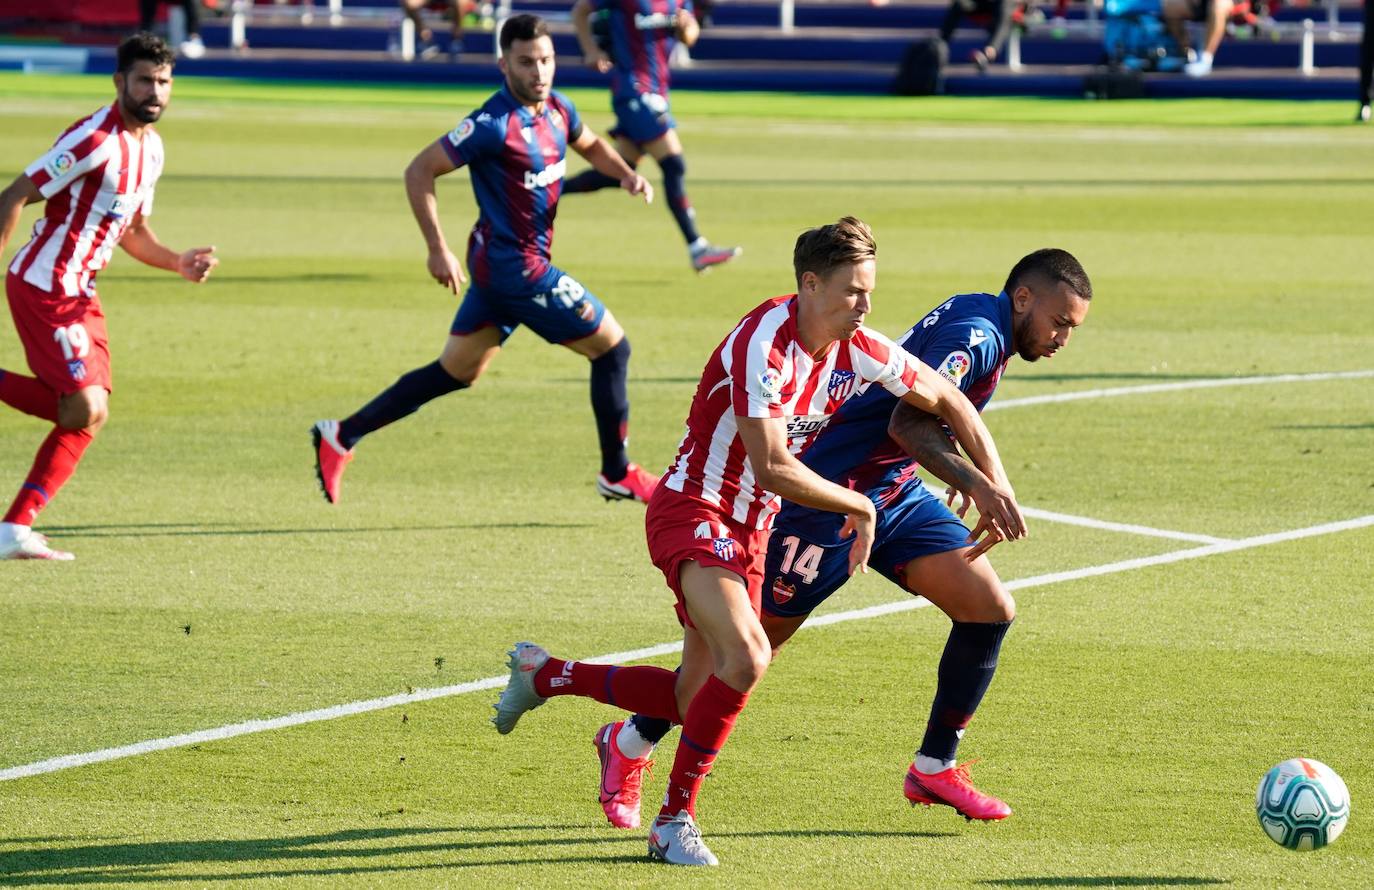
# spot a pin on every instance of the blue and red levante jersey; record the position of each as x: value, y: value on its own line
x: 967, y: 340
x: 517, y: 160
x: 642, y: 38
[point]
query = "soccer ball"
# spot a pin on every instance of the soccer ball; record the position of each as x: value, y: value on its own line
x: 1302, y: 804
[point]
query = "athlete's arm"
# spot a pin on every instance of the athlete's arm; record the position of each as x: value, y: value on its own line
x: 591, y: 53
x: 606, y: 160
x: 923, y: 436
x: 140, y: 242
x: 687, y: 28
x: 12, y: 200
x: 428, y: 166
x: 934, y: 394
x: 765, y: 440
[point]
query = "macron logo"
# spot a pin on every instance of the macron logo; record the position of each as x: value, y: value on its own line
x: 976, y: 336
x: 546, y: 177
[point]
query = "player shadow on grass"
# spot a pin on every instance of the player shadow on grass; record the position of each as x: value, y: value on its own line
x: 146, y: 862
x: 1110, y: 881
x: 230, y: 530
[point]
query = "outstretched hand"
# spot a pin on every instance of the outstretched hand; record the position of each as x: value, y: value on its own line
x: 638, y: 185
x: 195, y: 264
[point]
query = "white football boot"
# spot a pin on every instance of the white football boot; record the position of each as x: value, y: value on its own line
x: 519, y: 695
x: 678, y: 842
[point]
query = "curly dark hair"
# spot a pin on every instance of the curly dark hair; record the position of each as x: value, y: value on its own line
x: 141, y: 46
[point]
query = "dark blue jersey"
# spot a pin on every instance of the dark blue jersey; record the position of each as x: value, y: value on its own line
x: 967, y: 340
x: 517, y: 161
x: 641, y: 36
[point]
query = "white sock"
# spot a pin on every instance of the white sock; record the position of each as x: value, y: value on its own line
x: 697, y: 245
x: 930, y: 766
x: 631, y: 743
x: 13, y: 531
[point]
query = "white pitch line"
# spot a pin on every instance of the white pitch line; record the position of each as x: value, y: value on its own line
x: 1089, y: 522
x: 1146, y: 389
x: 390, y: 701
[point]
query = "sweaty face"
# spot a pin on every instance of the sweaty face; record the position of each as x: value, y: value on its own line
x: 842, y: 299
x: 1044, y: 316
x: 144, y: 90
x: 528, y: 66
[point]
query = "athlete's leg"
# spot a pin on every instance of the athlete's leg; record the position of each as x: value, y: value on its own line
x: 608, y: 351
x: 981, y: 610
x: 667, y: 151
x: 28, y: 394
x: 80, y: 415
x: 592, y: 179
x: 463, y: 360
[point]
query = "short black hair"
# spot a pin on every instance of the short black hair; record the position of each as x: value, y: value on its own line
x: 1055, y: 266
x: 144, y: 46
x: 525, y: 26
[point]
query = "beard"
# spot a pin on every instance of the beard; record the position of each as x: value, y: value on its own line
x: 1022, y: 341
x: 142, y: 111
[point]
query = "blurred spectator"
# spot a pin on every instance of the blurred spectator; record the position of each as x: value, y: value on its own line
x: 1213, y: 13
x: 457, y: 8
x: 191, y: 47
x: 1366, y: 65
x: 995, y: 15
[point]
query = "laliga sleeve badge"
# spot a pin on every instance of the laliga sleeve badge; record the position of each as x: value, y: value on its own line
x: 461, y: 132
x: 770, y: 384
x: 955, y: 366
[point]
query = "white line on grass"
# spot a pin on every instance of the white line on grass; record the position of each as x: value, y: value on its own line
x: 1145, y: 389
x: 390, y: 701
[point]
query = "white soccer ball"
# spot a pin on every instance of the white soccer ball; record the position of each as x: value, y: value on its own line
x: 1302, y: 804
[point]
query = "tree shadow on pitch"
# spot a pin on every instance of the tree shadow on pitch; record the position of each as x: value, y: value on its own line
x: 302, y: 856
x: 1110, y: 881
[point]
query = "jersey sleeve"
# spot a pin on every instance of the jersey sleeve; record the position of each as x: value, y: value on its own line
x: 475, y: 137
x: 72, y: 157
x: 758, y: 371
x: 878, y: 360
x: 964, y: 351
x: 570, y: 115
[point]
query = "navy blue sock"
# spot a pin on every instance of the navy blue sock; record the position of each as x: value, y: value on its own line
x: 611, y: 406
x: 966, y: 669
x: 675, y: 188
x: 402, y: 398
x: 651, y: 728
x: 589, y: 180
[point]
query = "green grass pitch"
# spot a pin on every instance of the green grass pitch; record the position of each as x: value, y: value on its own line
x: 1134, y: 712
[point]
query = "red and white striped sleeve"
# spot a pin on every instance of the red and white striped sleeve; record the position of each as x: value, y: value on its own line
x: 759, y: 365
x: 878, y: 359
x: 79, y: 150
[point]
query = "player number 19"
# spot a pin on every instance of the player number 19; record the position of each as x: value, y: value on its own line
x: 74, y: 340
x: 808, y: 566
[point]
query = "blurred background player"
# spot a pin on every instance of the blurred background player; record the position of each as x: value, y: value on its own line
x: 98, y: 183
x: 638, y: 38
x: 919, y: 544
x: 192, y: 47
x: 1366, y: 65
x: 515, y: 145
x: 1213, y: 14
x: 995, y: 14
x: 456, y: 8
x: 766, y: 391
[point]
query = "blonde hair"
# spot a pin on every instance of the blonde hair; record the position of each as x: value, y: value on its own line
x: 824, y: 249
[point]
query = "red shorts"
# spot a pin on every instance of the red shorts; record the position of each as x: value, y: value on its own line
x: 64, y: 337
x: 683, y: 529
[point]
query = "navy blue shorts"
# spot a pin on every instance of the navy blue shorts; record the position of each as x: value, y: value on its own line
x: 800, y: 573
x: 555, y: 306
x: 642, y: 118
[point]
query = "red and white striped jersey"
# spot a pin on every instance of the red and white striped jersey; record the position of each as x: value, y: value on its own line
x: 762, y: 370
x: 96, y: 178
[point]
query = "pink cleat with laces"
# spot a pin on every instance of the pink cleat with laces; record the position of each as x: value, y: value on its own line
x: 953, y: 788
x: 637, y: 485
x: 621, y: 778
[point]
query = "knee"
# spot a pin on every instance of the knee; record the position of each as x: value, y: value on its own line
x: 673, y: 165
x: 745, y: 666
x: 990, y: 605
x: 81, y: 412
x: 616, y: 357
x: 465, y: 371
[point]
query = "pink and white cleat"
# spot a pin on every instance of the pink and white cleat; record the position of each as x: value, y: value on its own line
x: 707, y: 255
x: 953, y: 788
x: 330, y: 458
x: 621, y: 778
x: 637, y: 485
x: 22, y: 542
